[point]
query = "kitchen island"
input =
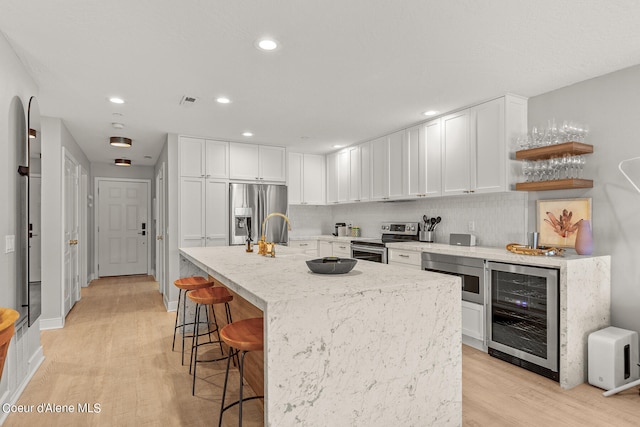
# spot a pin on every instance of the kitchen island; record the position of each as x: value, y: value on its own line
x: 377, y: 346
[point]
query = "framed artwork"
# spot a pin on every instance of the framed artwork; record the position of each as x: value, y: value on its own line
x: 557, y: 220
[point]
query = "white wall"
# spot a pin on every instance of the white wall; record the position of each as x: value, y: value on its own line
x: 610, y: 105
x: 169, y: 156
x: 20, y: 365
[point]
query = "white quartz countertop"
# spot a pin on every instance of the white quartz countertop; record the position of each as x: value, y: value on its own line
x: 264, y: 280
x: 491, y: 254
x: 488, y: 253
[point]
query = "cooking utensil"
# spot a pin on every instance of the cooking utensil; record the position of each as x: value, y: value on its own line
x: 433, y: 223
x: 426, y: 220
x: 438, y: 219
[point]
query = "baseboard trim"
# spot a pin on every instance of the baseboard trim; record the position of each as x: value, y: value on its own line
x: 34, y: 364
x: 47, y: 324
x: 171, y: 305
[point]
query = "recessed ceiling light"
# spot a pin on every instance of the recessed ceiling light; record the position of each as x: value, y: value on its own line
x: 430, y: 113
x: 116, y: 100
x: 122, y: 162
x: 148, y: 157
x: 117, y: 125
x: 223, y: 100
x: 338, y: 146
x: 247, y: 134
x: 267, y: 44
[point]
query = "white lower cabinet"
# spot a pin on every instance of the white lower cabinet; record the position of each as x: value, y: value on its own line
x: 325, y: 249
x: 309, y: 247
x: 410, y: 259
x: 473, y: 324
x: 341, y: 250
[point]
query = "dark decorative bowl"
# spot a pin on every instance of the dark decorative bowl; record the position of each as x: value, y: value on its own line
x: 331, y: 265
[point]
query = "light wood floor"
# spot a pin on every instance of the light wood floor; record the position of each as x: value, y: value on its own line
x: 115, y: 350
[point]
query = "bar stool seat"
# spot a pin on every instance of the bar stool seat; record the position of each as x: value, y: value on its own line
x: 203, y: 298
x: 242, y: 337
x: 186, y: 285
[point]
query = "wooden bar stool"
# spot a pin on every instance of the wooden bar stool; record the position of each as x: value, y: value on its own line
x: 186, y: 285
x: 241, y: 337
x: 8, y: 319
x: 206, y: 297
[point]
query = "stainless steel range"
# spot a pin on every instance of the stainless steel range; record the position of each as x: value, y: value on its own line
x: 375, y: 250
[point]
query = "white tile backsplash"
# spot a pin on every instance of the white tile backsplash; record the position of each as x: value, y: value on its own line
x: 500, y: 218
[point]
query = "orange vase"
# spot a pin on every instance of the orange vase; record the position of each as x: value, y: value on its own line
x: 584, y: 238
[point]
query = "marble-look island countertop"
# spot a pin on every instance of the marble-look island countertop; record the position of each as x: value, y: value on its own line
x: 377, y: 346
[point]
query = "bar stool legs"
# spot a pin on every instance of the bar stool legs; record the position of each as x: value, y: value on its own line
x: 234, y: 353
x: 182, y: 326
x: 241, y: 337
x: 194, y: 340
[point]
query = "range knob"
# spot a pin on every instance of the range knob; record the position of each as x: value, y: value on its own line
x: 413, y: 228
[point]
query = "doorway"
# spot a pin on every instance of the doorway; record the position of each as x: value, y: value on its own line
x: 122, y: 219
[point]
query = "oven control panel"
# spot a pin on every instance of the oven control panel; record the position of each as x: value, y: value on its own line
x: 405, y: 228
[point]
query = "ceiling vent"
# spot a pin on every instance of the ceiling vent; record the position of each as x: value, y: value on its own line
x: 188, y: 100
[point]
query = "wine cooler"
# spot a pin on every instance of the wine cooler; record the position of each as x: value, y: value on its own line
x: 524, y: 316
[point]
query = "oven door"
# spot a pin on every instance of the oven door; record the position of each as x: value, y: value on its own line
x: 369, y: 253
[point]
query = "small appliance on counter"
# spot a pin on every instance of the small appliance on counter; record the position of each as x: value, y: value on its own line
x: 340, y: 229
x: 462, y: 239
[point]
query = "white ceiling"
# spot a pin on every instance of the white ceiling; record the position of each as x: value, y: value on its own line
x: 346, y: 71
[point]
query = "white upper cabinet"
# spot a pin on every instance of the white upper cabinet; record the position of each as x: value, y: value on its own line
x: 355, y: 174
x: 365, y: 171
x: 201, y: 158
x: 344, y: 176
x: 397, y: 166
x: 306, y: 182
x: 456, y: 153
x: 313, y: 188
x: 423, y: 160
x: 332, y: 178
x: 488, y: 149
x: 388, y: 167
x: 273, y: 163
x: 380, y: 169
x: 257, y: 162
x: 244, y: 161
x: 192, y: 158
x: 216, y: 159
x: 476, y: 144
x: 294, y: 179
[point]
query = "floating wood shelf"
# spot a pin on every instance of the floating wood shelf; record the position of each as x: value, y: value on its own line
x: 556, y: 150
x: 559, y: 184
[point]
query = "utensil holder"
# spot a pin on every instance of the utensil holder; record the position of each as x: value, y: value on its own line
x: 427, y: 236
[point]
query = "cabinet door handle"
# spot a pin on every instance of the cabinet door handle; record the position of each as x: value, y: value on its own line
x: 304, y: 244
x: 403, y: 256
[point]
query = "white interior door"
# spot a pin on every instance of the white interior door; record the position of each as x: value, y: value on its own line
x: 123, y: 227
x: 160, y: 229
x: 71, y: 228
x: 35, y: 233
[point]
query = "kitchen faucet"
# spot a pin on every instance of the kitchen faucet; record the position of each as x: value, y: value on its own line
x: 269, y: 248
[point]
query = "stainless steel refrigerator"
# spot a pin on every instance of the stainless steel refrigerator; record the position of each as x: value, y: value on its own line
x: 249, y: 205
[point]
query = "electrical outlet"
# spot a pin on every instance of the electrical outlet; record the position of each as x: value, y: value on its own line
x: 9, y: 244
x: 472, y: 226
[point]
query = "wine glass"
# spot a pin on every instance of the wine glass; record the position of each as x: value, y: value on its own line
x: 527, y: 170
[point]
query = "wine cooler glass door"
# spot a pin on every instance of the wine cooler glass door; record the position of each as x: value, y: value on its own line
x: 524, y: 313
